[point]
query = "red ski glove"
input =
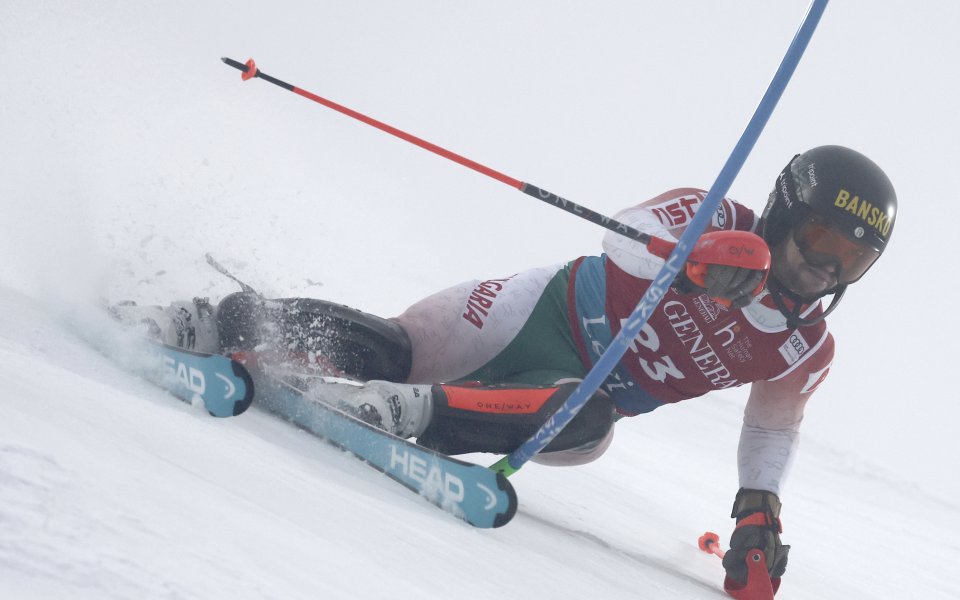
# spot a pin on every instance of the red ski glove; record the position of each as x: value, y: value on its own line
x: 758, y: 526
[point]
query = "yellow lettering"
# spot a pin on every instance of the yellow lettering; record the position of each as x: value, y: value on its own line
x: 865, y: 211
x: 883, y: 224
x: 842, y: 198
x: 853, y: 204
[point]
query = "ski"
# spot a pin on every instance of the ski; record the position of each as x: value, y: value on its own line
x: 478, y: 495
x: 223, y: 385
x: 474, y: 493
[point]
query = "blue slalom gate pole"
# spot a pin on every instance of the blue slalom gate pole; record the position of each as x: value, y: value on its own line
x: 658, y: 287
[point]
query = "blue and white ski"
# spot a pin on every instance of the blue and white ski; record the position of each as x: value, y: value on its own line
x: 223, y: 385
x: 478, y: 495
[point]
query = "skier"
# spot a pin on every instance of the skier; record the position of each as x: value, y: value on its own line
x: 480, y: 366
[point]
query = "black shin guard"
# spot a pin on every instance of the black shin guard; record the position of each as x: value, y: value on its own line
x: 500, y: 418
x: 358, y: 344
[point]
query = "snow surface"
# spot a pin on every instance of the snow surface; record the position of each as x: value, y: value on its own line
x: 129, y: 150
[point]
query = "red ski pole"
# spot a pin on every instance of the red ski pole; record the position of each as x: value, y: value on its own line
x: 759, y: 586
x: 707, y: 253
x: 250, y: 70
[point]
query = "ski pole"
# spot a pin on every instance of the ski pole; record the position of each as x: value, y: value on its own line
x: 674, y: 261
x: 709, y: 542
x: 224, y: 271
x: 759, y: 586
x: 658, y: 247
x: 249, y: 71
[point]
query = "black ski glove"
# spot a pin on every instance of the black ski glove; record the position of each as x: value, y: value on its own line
x: 723, y: 282
x: 758, y: 526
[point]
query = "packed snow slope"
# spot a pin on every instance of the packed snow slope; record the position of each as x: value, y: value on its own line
x: 110, y: 488
x: 129, y: 150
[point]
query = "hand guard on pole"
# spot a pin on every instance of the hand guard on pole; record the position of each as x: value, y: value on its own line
x: 729, y: 266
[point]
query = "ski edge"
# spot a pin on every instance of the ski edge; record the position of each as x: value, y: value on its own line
x: 384, y: 452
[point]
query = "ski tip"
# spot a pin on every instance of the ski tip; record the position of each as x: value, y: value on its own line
x: 238, y: 391
x: 244, y: 403
x: 512, y: 502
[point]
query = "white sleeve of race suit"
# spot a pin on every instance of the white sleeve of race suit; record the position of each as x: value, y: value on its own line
x: 630, y: 255
x: 764, y: 457
x: 771, y: 431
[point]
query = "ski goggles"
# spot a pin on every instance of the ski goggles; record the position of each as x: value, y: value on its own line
x: 821, y: 244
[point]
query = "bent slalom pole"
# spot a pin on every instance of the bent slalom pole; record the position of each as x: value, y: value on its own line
x: 759, y: 586
x: 675, y: 255
x: 661, y: 282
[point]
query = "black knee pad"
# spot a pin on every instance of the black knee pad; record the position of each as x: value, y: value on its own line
x: 461, y: 430
x: 592, y: 423
x: 240, y: 319
x: 361, y: 345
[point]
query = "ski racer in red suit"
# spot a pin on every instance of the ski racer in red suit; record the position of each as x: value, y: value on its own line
x: 480, y: 366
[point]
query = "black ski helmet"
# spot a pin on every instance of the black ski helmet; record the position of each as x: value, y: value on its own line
x: 843, y: 188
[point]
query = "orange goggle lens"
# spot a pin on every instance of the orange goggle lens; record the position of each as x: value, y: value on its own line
x: 821, y: 244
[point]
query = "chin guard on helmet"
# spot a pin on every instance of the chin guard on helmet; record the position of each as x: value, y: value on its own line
x: 778, y: 292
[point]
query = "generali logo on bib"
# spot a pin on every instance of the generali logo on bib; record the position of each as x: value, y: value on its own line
x: 707, y: 308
